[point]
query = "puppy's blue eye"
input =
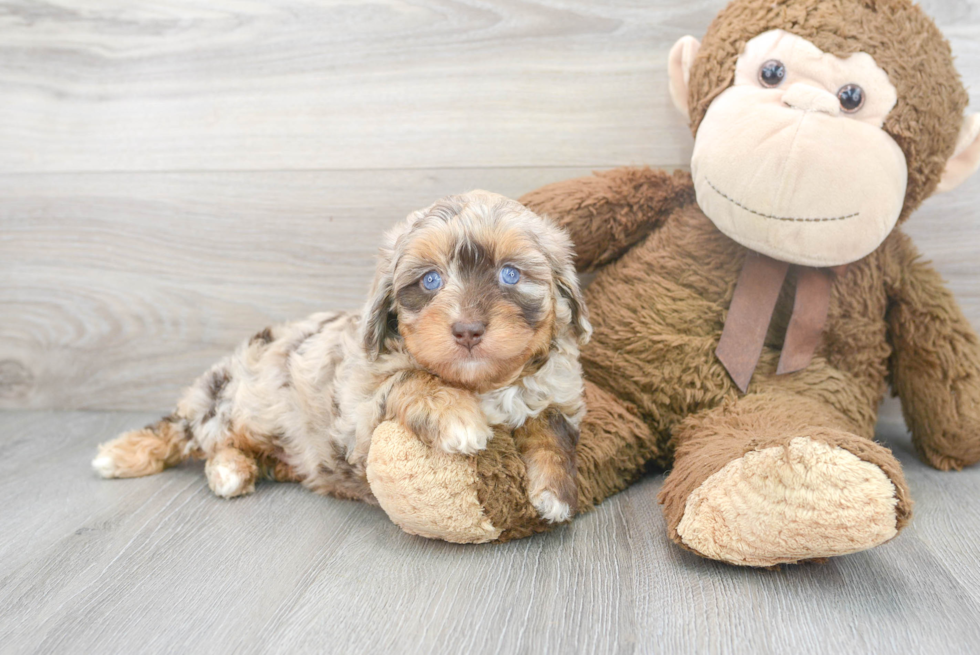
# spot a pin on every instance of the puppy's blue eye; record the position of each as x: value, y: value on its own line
x: 431, y: 281
x: 510, y: 275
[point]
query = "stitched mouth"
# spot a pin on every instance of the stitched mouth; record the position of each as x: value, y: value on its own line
x: 790, y: 219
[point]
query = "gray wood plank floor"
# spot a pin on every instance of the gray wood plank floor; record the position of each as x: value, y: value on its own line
x: 159, y: 565
x: 175, y: 175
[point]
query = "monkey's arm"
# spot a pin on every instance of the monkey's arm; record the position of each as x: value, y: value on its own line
x: 935, y: 363
x: 608, y: 212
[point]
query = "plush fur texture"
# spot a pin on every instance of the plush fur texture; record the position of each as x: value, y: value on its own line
x: 428, y: 493
x: 664, y: 280
x: 301, y: 401
x: 485, y: 498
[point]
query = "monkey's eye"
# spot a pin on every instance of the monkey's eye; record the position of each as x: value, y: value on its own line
x: 851, y: 97
x: 772, y: 73
x: 510, y: 275
x: 432, y: 281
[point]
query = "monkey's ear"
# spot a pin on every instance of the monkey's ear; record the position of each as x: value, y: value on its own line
x: 966, y: 156
x: 679, y: 64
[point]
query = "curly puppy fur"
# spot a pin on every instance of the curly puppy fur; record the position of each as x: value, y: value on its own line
x: 299, y: 402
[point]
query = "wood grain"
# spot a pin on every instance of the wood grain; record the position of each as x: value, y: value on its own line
x: 173, y: 177
x: 159, y: 564
x: 136, y: 86
x: 120, y: 289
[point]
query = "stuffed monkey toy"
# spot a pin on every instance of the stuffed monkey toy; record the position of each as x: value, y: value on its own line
x: 750, y: 316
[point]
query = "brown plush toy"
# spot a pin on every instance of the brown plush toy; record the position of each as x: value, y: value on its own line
x: 750, y: 316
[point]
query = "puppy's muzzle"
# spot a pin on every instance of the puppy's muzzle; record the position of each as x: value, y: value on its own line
x: 468, y: 334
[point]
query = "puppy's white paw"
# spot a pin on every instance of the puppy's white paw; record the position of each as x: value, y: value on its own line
x: 227, y: 481
x: 105, y: 466
x: 131, y: 455
x: 550, y: 508
x: 464, y: 437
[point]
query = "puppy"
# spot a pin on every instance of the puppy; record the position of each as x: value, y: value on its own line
x: 474, y: 322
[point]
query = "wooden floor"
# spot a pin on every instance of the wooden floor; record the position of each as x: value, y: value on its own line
x: 160, y: 565
x: 176, y: 175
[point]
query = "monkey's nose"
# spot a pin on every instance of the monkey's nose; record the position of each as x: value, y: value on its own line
x: 468, y: 334
x: 809, y: 98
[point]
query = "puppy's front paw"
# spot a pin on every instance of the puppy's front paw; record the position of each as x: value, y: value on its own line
x: 553, y: 493
x: 551, y: 508
x: 444, y: 418
x: 463, y: 435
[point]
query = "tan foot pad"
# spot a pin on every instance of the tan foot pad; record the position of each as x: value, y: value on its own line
x: 424, y: 491
x: 781, y: 505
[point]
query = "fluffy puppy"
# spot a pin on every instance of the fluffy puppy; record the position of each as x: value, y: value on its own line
x: 473, y: 323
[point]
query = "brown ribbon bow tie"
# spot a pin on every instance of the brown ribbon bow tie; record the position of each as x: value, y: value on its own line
x: 753, y: 302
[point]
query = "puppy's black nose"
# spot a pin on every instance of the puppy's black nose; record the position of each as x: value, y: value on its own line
x: 468, y: 334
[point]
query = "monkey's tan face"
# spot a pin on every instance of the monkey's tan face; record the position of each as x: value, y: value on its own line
x: 792, y: 160
x: 475, y: 299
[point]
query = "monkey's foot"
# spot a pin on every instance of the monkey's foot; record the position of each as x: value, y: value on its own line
x: 801, y: 500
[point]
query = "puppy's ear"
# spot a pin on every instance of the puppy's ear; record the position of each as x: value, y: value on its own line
x: 566, y: 281
x: 379, y: 321
x: 557, y: 247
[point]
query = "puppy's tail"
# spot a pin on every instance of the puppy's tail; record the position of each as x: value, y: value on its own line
x: 144, y: 452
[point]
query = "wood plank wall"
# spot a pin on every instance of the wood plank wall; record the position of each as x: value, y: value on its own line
x: 175, y: 175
